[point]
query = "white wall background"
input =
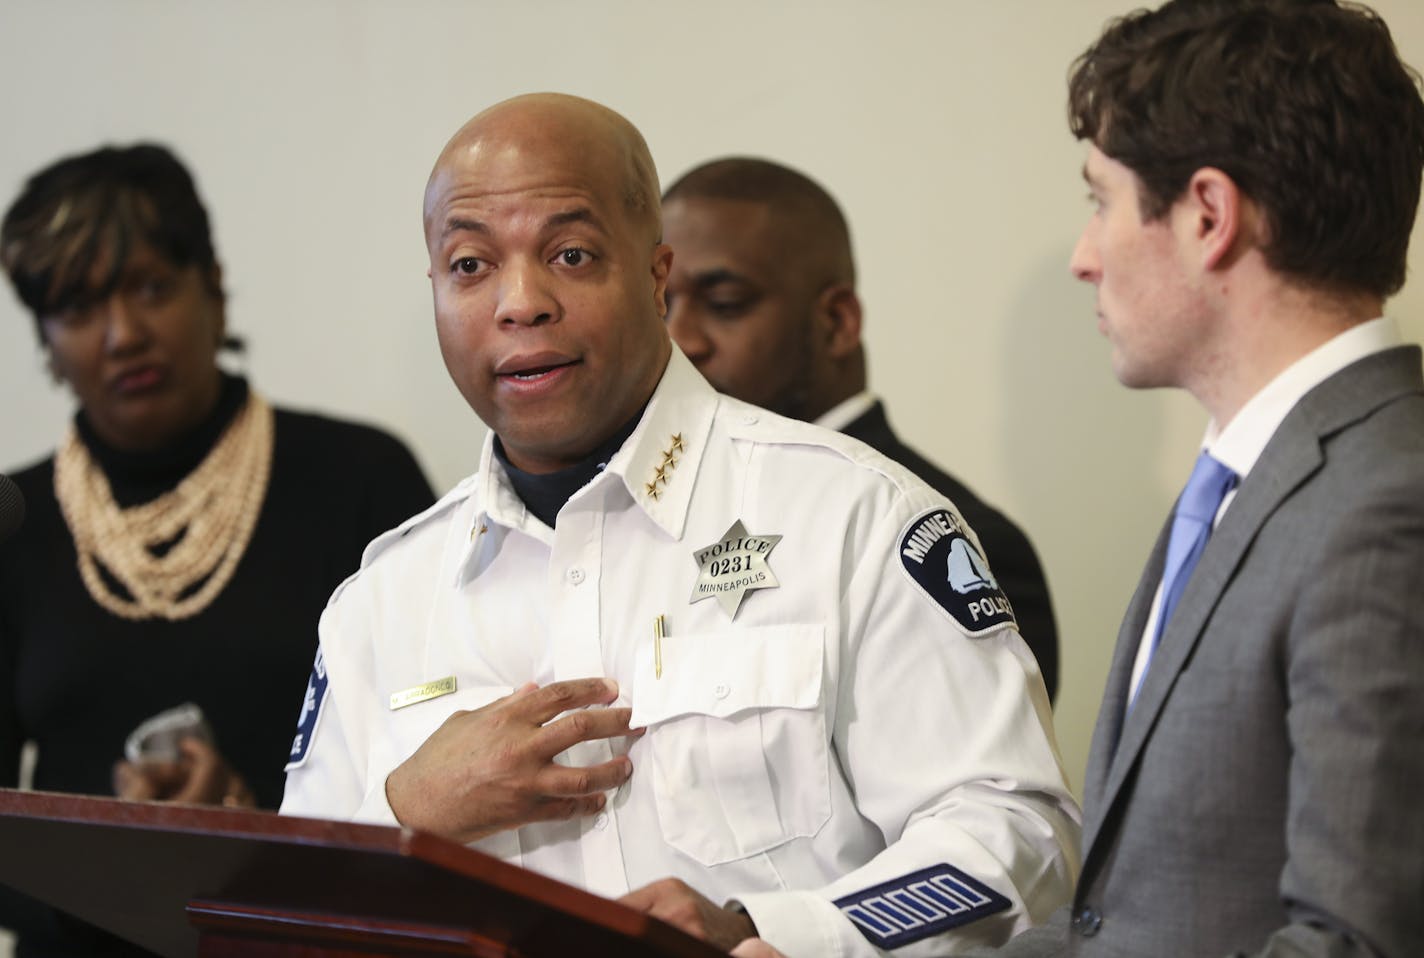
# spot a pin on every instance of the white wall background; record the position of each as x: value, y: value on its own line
x: 940, y: 126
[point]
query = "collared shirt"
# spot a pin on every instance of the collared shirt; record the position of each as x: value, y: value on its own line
x: 837, y: 753
x: 847, y: 411
x: 1244, y: 438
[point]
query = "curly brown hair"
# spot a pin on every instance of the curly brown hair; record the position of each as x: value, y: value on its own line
x: 1305, y: 104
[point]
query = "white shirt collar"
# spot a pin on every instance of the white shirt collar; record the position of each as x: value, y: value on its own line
x: 1241, y: 443
x: 847, y: 411
x: 1243, y: 440
x: 657, y: 465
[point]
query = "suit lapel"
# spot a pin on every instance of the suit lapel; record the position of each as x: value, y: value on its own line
x: 1109, y: 725
x: 1290, y: 458
x: 872, y: 427
x: 1292, y: 455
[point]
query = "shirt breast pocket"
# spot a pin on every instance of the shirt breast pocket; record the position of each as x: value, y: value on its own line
x: 737, y: 731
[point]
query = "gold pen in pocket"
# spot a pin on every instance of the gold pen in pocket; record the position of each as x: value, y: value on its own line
x: 659, y: 630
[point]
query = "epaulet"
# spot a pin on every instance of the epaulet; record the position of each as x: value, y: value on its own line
x: 754, y: 424
x: 387, y: 539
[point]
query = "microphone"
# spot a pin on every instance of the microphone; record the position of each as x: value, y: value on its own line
x: 12, y: 508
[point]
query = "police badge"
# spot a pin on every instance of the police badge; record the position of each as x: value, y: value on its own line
x: 731, y: 568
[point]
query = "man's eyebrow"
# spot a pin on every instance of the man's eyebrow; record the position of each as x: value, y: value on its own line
x: 581, y: 214
x: 715, y: 277
x: 456, y: 225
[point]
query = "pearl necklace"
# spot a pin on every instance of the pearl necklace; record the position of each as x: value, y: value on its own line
x: 208, y: 518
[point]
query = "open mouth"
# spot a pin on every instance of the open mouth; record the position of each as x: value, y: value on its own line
x: 535, y: 369
x: 538, y: 372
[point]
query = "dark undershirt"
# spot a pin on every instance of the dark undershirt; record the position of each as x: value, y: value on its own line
x: 544, y: 494
x: 137, y: 477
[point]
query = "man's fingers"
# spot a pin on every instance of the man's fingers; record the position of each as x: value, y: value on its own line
x: 561, y: 809
x: 582, y: 726
x: 681, y: 906
x: 562, y: 781
x: 653, y: 894
x: 547, y: 701
x: 641, y: 899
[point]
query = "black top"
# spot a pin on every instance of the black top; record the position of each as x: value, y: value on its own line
x: 76, y: 679
x: 544, y: 494
x: 1010, y: 554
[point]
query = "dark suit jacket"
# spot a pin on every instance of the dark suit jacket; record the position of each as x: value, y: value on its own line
x: 1263, y: 796
x: 1010, y: 554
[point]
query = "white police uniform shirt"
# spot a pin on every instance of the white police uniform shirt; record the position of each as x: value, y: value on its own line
x: 840, y: 756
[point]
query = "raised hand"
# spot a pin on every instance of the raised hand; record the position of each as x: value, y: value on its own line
x: 493, y: 768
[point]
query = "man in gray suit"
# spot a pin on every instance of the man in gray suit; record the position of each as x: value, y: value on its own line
x: 1256, y: 779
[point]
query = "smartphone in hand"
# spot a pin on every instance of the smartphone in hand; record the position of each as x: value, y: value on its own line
x: 156, y: 739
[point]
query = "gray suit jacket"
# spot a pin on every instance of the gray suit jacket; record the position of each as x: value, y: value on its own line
x: 1266, y: 794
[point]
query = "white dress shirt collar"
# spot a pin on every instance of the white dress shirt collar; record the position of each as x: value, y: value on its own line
x: 1241, y: 443
x: 1243, y: 440
x: 657, y: 464
x: 847, y: 411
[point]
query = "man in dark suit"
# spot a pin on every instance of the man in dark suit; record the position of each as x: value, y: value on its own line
x: 1255, y: 776
x: 762, y: 299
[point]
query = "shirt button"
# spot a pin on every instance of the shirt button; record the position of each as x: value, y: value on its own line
x: 1087, y: 922
x: 575, y: 575
x: 721, y: 691
x: 749, y: 419
x: 600, y: 821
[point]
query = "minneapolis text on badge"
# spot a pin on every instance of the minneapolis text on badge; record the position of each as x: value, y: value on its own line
x: 734, y: 566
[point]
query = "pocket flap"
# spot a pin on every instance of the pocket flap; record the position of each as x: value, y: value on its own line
x: 723, y: 673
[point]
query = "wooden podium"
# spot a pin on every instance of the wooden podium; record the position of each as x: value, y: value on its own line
x: 189, y: 880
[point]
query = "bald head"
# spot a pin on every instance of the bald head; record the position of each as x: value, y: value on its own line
x: 807, y: 219
x: 558, y: 130
x: 549, y: 280
x: 762, y: 291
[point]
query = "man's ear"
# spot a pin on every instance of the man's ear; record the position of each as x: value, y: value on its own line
x: 1219, y: 214
x: 839, y: 311
x: 662, y: 267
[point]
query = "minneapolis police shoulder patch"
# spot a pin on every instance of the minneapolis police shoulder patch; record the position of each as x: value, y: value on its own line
x: 311, y: 711
x: 919, y: 905
x: 939, y: 557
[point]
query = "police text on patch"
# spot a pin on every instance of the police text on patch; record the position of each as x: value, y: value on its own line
x: 938, y: 556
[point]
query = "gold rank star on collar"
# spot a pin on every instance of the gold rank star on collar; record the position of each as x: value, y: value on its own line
x: 664, y: 470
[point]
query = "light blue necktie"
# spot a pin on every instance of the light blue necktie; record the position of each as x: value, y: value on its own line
x: 1191, y: 526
